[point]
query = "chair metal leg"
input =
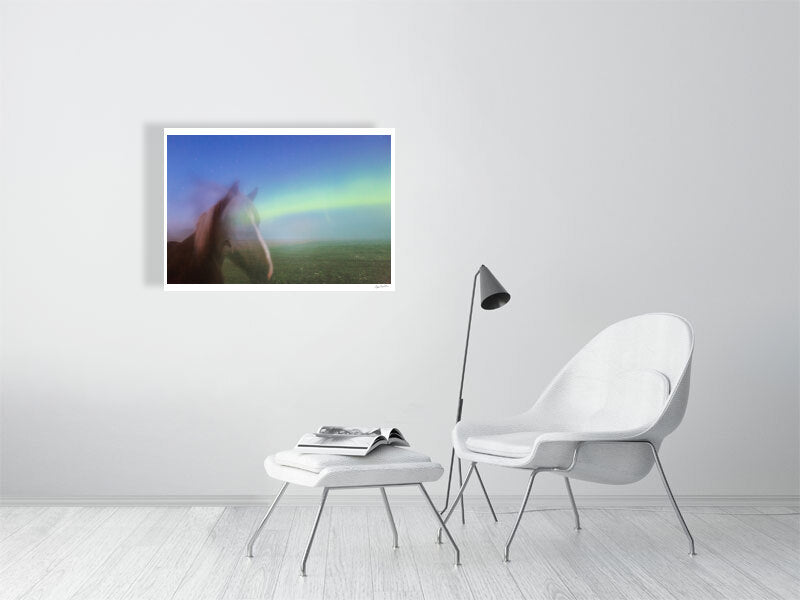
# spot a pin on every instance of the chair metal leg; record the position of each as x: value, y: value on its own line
x: 442, y: 523
x: 672, y: 500
x: 257, y: 532
x: 519, y: 516
x: 455, y: 502
x: 391, y: 518
x: 313, y: 531
x: 485, y: 495
x: 461, y: 482
x: 574, y: 507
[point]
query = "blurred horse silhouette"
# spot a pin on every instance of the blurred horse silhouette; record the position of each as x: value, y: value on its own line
x: 229, y: 229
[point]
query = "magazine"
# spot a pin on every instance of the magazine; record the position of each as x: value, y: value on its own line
x: 349, y: 441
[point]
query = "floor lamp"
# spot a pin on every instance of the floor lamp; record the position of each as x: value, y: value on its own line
x: 493, y: 295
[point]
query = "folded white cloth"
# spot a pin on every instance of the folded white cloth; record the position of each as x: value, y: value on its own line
x: 380, y: 456
x: 387, y: 465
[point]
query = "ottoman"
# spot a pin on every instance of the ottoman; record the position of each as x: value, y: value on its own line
x: 386, y: 466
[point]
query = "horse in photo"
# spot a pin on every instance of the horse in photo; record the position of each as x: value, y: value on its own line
x: 229, y: 229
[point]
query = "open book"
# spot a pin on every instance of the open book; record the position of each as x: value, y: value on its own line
x: 349, y: 441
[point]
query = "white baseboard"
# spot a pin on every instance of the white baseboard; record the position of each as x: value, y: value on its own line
x: 365, y: 499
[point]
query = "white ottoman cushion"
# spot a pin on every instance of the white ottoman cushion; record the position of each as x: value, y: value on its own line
x: 386, y: 465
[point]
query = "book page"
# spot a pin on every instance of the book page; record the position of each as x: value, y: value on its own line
x: 327, y: 430
x: 353, y: 442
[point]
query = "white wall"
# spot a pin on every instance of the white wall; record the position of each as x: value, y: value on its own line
x: 604, y: 160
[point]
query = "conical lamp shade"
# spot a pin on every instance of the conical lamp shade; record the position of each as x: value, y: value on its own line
x: 493, y: 295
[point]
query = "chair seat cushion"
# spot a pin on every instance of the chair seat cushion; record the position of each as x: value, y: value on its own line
x: 387, y: 465
x: 509, y: 445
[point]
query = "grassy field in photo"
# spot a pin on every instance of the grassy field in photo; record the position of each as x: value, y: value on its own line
x: 366, y: 262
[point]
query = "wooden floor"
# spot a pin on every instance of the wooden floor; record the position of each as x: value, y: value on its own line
x: 84, y: 553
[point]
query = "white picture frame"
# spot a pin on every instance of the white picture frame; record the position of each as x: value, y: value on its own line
x: 284, y: 285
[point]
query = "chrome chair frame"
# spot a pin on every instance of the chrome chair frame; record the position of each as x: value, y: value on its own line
x: 442, y: 523
x: 535, y: 472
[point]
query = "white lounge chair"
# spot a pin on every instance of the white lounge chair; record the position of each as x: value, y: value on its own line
x: 601, y: 419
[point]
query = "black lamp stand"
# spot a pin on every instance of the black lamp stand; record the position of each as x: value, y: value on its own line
x: 493, y: 295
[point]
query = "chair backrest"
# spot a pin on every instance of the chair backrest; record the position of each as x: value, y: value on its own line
x: 632, y: 375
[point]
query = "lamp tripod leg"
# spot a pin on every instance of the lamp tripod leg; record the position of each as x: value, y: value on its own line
x: 449, y: 482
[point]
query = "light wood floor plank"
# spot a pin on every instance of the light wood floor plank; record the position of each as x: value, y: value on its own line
x: 163, y: 574
x: 439, y: 579
x: 782, y: 527
x: 558, y: 546
x: 394, y: 573
x: 65, y: 578
x: 660, y: 550
x: 487, y: 575
x: 615, y: 553
x: 752, y: 552
x: 348, y: 568
x: 28, y: 536
x: 782, y: 534
x: 584, y: 559
x: 45, y: 556
x: 116, y: 574
x: 713, y: 571
x: 536, y: 577
x: 97, y: 553
x: 211, y: 570
x: 588, y: 552
x: 15, y: 518
x: 790, y: 518
x: 534, y: 570
x: 290, y: 585
x: 792, y: 511
x: 255, y: 578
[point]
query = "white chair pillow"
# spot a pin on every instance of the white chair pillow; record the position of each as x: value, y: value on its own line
x: 634, y: 399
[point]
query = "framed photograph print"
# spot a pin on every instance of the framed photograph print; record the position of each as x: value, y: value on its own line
x: 279, y: 209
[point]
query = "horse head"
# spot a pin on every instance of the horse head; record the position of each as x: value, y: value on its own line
x: 232, y: 225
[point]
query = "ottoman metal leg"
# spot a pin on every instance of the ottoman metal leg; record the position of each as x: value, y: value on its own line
x: 313, y: 531
x: 391, y: 518
x: 461, y: 483
x: 442, y: 523
x: 257, y: 532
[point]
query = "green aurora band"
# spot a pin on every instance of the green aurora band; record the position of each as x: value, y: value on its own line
x: 364, y: 192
